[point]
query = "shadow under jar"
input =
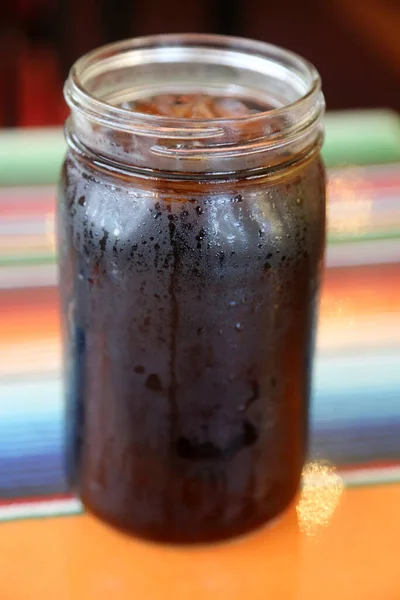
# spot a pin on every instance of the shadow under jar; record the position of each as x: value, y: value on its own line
x: 191, y: 236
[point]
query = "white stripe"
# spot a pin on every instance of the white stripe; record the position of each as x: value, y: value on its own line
x: 30, y: 357
x: 371, y: 476
x: 45, y: 508
x: 368, y: 252
x: 28, y: 276
x: 373, y: 172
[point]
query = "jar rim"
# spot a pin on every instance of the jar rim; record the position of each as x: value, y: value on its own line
x: 101, y: 81
x: 78, y: 97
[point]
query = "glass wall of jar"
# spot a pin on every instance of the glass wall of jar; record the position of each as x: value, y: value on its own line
x: 191, y: 237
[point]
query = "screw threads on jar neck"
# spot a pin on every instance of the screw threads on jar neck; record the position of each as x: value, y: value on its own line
x: 102, y: 82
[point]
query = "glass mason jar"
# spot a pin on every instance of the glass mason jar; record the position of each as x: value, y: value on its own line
x: 190, y: 259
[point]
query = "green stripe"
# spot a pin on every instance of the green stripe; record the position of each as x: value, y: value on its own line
x: 34, y: 156
x: 361, y: 138
x: 31, y: 156
x: 371, y: 236
x: 29, y: 260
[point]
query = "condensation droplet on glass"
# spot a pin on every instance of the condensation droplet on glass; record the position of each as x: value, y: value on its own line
x: 298, y: 201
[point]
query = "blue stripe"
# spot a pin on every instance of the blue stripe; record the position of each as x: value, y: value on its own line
x: 355, y: 418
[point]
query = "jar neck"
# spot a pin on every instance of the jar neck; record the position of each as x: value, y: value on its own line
x: 101, y: 82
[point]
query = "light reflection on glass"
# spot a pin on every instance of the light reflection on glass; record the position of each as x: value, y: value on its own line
x: 319, y: 497
x: 349, y: 207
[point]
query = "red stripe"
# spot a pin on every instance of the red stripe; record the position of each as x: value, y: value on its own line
x: 27, y: 207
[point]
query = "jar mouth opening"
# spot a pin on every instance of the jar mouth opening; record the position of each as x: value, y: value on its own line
x: 100, y: 81
x: 106, y: 80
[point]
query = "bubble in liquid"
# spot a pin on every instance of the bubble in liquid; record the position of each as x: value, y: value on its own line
x: 153, y: 383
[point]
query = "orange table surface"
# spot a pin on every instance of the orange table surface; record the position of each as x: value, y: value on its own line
x: 354, y: 556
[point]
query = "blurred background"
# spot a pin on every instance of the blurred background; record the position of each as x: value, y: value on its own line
x: 356, y: 47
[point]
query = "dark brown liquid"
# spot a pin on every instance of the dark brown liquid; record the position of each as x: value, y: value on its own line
x: 196, y: 106
x: 189, y: 333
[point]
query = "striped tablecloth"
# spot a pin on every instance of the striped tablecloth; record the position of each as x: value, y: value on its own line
x: 355, y: 418
x: 335, y: 541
